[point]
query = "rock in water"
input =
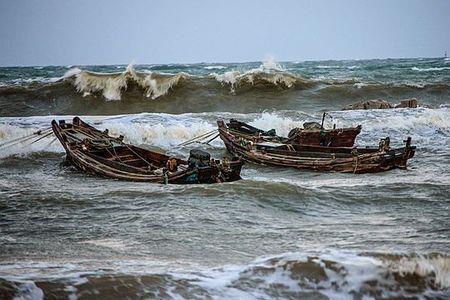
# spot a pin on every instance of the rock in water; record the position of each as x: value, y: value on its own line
x: 382, y: 104
x: 411, y: 103
x: 371, y: 104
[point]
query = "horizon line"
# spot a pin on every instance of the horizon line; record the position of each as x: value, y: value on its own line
x: 133, y: 62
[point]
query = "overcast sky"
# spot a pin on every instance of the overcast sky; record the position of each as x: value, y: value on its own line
x: 66, y: 32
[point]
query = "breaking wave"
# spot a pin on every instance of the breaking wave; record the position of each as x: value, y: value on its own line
x: 186, y: 88
x: 332, y: 275
x: 269, y: 73
x: 111, y: 85
x: 155, y: 85
x: 166, y: 131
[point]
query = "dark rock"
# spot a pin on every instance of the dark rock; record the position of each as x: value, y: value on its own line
x: 411, y: 103
x: 370, y: 104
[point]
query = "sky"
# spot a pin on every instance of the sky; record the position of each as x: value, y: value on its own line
x: 84, y: 32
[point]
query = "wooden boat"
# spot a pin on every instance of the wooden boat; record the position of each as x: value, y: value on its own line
x: 313, y: 136
x: 96, y: 152
x: 319, y: 158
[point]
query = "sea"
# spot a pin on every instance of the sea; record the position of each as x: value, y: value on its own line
x: 278, y: 233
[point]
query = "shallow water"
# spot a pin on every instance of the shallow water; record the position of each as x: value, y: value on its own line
x: 278, y: 233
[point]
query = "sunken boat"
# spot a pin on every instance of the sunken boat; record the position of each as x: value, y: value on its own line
x: 312, y: 134
x: 318, y: 158
x: 98, y: 153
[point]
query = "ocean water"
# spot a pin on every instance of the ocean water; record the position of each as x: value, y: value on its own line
x: 278, y: 233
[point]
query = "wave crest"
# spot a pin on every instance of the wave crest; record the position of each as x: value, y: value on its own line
x: 268, y: 73
x: 111, y: 85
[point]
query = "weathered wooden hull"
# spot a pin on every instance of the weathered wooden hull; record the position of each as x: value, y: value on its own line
x: 310, y: 157
x: 127, y: 162
x: 340, y: 137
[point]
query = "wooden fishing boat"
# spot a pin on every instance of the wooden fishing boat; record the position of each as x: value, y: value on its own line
x: 313, y: 134
x: 319, y: 158
x: 96, y: 152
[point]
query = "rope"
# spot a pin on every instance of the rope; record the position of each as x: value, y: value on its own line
x: 42, y: 137
x: 109, y: 138
x: 209, y: 141
x: 19, y: 140
x: 115, y: 153
x: 198, y: 138
x: 150, y: 164
x: 356, y: 165
x: 51, y: 142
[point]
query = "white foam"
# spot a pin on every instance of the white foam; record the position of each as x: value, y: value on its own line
x: 112, y: 85
x: 271, y: 65
x: 327, y: 67
x: 280, y: 123
x: 396, y: 119
x: 361, y: 84
x: 346, y: 273
x: 215, y: 67
x: 269, y: 72
x: 154, y: 130
x: 72, y: 72
x: 229, y: 78
x: 40, y: 79
x: 430, y: 69
x: 437, y: 266
x: 428, y: 127
x: 159, y: 134
x: 337, y: 274
x: 10, y: 132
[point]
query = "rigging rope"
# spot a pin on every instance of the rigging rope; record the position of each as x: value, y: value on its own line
x: 199, y: 138
x: 22, y: 139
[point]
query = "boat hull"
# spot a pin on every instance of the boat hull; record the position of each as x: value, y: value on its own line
x: 127, y: 162
x: 346, y: 160
x: 340, y: 137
